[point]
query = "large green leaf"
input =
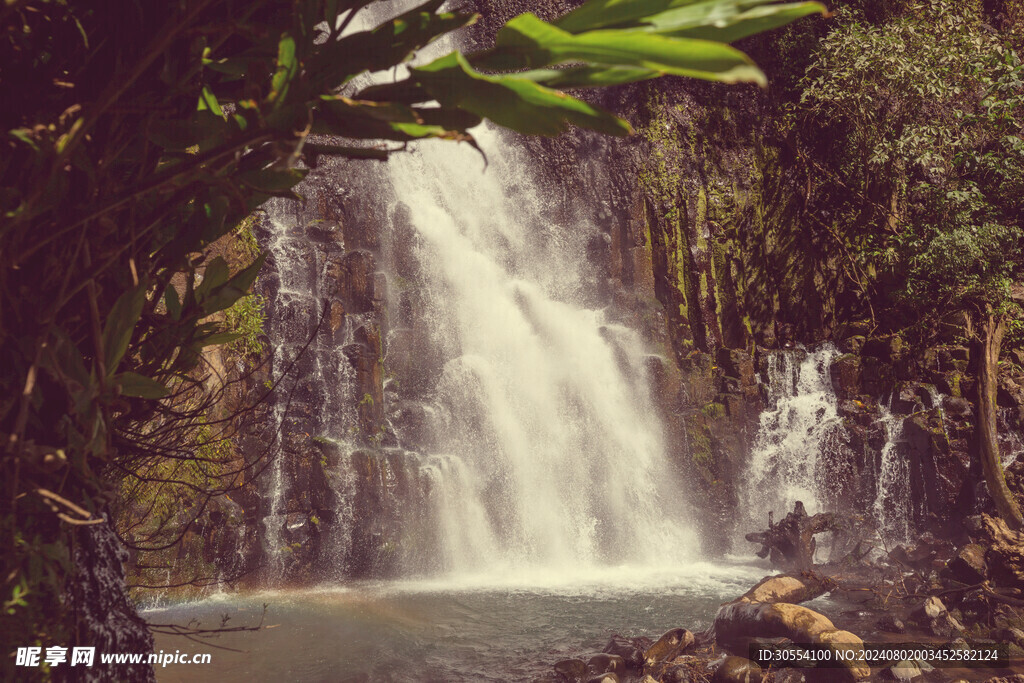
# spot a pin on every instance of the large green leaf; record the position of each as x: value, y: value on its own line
x: 365, y: 120
x: 727, y: 22
x: 510, y: 100
x: 234, y: 289
x: 119, y: 325
x: 273, y: 181
x: 588, y: 76
x: 607, y: 13
x: 389, y: 44
x: 287, y: 67
x: 215, y: 275
x: 139, y: 386
x: 526, y: 42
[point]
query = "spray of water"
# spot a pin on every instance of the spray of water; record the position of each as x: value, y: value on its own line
x: 554, y: 456
x: 794, y: 434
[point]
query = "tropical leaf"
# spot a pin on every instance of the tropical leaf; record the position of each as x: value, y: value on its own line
x: 526, y: 42
x: 119, y: 325
x: 389, y: 44
x: 588, y: 76
x: 511, y: 101
x: 234, y: 289
x: 139, y: 386
x: 727, y: 22
x: 608, y: 13
x: 287, y: 67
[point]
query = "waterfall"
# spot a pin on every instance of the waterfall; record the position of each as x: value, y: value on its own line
x: 796, y: 429
x: 553, y: 455
x: 891, y: 508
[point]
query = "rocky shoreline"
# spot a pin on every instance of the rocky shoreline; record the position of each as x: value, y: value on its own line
x: 962, y: 602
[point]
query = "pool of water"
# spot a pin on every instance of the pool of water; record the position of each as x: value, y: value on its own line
x: 465, y: 628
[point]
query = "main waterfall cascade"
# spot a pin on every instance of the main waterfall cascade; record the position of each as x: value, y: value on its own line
x: 537, y: 448
x: 553, y: 456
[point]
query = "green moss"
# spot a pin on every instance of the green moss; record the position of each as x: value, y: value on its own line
x: 700, y: 445
x: 713, y: 411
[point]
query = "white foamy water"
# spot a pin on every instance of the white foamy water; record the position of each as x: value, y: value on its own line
x: 554, y: 456
x: 891, y: 508
x: 795, y: 431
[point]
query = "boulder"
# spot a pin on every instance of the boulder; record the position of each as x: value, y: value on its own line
x: 930, y: 609
x: 669, y: 646
x: 845, y: 372
x: 737, y: 670
x: 609, y: 677
x: 902, y: 671
x: 679, y: 674
x: 852, y: 344
x: 631, y: 650
x: 887, y: 348
x: 891, y: 624
x: 968, y: 566
x: 606, y: 663
x: 571, y: 669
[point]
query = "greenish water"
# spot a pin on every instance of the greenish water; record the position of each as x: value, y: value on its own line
x: 509, y: 628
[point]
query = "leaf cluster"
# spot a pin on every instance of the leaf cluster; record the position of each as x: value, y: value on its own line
x: 924, y: 117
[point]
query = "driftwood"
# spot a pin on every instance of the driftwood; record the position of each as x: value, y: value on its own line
x: 791, y: 542
x: 768, y: 611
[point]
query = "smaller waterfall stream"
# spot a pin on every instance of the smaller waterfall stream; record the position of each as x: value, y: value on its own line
x: 796, y: 429
x: 891, y: 508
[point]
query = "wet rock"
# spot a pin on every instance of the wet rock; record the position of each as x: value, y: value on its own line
x: 930, y: 609
x: 945, y: 626
x: 669, y: 646
x: 845, y: 372
x: 957, y: 408
x: 891, y: 624
x: 630, y: 649
x: 648, y: 679
x: 679, y: 674
x: 1015, y: 678
x: 1010, y: 635
x: 968, y: 566
x: 852, y: 344
x: 902, y: 671
x: 737, y: 670
x: 609, y: 677
x: 352, y: 280
x: 571, y: 669
x: 790, y: 676
x: 877, y: 375
x: 737, y: 363
x: 605, y: 663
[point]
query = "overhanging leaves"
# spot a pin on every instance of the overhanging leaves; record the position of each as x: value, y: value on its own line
x: 510, y: 100
x: 526, y: 42
x: 120, y: 322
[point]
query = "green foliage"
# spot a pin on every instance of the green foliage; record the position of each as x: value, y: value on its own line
x: 246, y: 238
x: 925, y: 114
x: 245, y: 318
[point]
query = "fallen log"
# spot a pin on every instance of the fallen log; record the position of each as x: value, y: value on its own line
x: 790, y: 543
x: 768, y: 611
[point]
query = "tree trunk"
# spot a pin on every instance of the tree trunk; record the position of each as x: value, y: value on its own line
x: 988, y: 381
